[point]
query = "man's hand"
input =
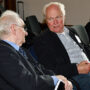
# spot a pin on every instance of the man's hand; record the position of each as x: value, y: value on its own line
x: 83, y: 67
x: 68, y: 84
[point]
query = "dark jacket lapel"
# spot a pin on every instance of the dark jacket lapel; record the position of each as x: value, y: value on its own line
x: 19, y: 56
x: 59, y: 45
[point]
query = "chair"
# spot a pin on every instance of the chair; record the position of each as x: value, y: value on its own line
x: 33, y: 29
x: 33, y: 25
x: 87, y: 27
x: 81, y: 31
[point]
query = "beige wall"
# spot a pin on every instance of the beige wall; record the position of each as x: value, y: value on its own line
x: 77, y: 11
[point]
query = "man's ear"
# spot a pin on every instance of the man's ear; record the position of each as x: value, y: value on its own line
x: 13, y: 29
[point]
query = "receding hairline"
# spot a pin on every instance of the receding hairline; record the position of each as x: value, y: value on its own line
x: 60, y: 5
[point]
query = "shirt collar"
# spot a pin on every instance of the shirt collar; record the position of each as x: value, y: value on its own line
x: 12, y: 44
x: 66, y: 31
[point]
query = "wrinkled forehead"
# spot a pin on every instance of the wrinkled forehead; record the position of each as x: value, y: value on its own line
x: 53, y: 10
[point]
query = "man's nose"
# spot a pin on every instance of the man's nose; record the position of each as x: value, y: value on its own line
x: 55, y: 21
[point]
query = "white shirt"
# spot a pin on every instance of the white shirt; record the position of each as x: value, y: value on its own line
x: 75, y: 53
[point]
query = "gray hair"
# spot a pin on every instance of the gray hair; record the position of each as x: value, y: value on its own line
x: 61, y: 6
x: 7, y: 19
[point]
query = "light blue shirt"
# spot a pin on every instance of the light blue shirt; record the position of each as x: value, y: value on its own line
x: 55, y: 79
x: 12, y: 44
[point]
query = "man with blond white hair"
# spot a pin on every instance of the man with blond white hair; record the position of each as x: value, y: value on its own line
x: 18, y: 69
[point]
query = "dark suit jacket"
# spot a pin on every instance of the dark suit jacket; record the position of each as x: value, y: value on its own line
x: 16, y: 73
x: 52, y: 54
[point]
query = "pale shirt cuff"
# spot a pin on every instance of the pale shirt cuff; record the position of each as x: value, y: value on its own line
x: 55, y: 79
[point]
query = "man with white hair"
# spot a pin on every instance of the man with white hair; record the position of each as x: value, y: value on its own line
x: 18, y: 70
x: 60, y: 49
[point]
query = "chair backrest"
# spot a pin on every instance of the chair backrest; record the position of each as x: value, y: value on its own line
x: 33, y: 24
x: 87, y: 27
x: 81, y: 31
